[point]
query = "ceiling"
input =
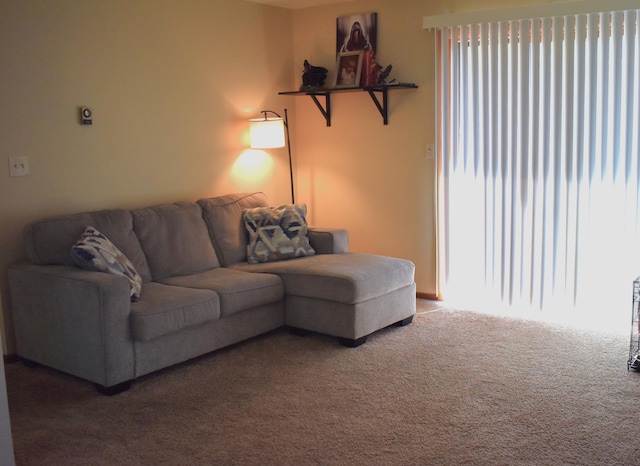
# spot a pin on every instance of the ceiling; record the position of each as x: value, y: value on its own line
x: 296, y: 4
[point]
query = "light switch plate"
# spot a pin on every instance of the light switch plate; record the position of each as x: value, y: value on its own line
x: 19, y: 166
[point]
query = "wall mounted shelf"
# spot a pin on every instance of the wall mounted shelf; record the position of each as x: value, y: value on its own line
x: 373, y: 91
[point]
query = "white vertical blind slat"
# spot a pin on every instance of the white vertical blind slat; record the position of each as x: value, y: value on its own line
x: 579, y: 155
x: 522, y: 228
x: 537, y: 116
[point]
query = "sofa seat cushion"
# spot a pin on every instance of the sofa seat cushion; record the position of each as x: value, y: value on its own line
x: 345, y: 278
x: 165, y: 309
x: 238, y: 290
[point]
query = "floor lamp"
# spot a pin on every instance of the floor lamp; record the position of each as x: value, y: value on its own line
x: 268, y: 133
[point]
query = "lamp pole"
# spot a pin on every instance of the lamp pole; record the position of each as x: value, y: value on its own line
x: 286, y: 125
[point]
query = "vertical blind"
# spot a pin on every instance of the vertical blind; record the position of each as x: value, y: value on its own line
x: 538, y: 173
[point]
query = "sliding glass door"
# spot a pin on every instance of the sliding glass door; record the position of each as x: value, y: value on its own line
x: 538, y: 173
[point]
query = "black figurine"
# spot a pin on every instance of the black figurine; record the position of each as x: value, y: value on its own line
x: 313, y: 77
x: 384, y: 75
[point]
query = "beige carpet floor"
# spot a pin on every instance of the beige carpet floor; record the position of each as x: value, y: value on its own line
x: 452, y: 388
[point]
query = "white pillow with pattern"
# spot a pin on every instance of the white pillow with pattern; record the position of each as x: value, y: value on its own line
x: 277, y: 233
x: 93, y: 251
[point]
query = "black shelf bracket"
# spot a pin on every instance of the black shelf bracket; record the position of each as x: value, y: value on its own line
x: 326, y: 110
x: 382, y: 108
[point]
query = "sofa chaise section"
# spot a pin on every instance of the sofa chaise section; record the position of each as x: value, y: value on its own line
x: 349, y: 295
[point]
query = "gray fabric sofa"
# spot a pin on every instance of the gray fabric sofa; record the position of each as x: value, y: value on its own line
x: 199, y: 293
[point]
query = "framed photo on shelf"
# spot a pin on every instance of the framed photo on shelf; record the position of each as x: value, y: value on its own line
x: 348, y: 69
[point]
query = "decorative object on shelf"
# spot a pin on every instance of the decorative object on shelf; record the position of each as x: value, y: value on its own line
x: 360, y: 33
x: 373, y: 71
x: 268, y: 133
x: 384, y: 74
x: 369, y: 69
x: 313, y: 77
x: 348, y: 69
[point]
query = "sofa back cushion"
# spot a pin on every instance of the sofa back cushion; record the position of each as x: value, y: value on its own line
x: 49, y: 241
x: 223, y: 216
x: 174, y: 239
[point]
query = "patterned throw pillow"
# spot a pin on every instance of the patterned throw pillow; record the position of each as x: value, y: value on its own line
x: 277, y: 233
x: 93, y: 251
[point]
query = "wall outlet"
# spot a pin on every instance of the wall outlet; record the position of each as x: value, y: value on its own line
x: 19, y: 166
x: 429, y: 152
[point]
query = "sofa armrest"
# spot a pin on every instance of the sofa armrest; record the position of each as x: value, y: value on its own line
x: 329, y: 240
x: 73, y: 320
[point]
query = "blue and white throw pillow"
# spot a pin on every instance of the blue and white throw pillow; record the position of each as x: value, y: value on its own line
x: 93, y: 251
x: 277, y: 233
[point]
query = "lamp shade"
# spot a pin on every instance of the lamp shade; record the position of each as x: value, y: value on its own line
x: 266, y: 133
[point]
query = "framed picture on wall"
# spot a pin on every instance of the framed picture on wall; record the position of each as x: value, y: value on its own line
x: 360, y: 32
x: 348, y: 69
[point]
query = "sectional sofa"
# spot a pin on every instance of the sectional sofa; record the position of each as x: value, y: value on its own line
x: 112, y: 295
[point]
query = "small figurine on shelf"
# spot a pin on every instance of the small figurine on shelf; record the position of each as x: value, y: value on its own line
x: 634, y: 362
x: 313, y: 77
x: 384, y: 74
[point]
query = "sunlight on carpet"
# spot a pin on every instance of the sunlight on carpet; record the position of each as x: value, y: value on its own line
x: 599, y: 318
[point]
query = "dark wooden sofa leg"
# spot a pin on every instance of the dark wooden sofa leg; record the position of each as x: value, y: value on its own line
x: 352, y: 343
x: 403, y: 322
x: 114, y: 389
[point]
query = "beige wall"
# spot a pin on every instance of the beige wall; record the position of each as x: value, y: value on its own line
x: 373, y: 179
x: 172, y: 83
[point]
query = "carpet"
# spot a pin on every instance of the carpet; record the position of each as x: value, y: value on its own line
x: 454, y: 387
